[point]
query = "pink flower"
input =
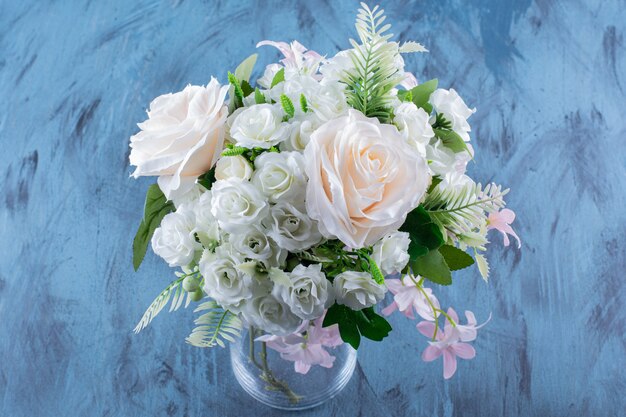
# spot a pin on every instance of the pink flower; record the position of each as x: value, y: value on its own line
x: 296, y: 55
x: 306, y: 350
x: 450, y: 342
x: 407, y: 297
x: 501, y: 221
x: 409, y: 81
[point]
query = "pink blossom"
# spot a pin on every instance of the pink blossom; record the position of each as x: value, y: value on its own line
x: 501, y: 221
x: 409, y: 81
x: 296, y: 55
x: 450, y: 342
x: 407, y: 297
x: 306, y: 350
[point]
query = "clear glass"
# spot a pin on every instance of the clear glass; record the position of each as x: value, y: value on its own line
x: 268, y: 378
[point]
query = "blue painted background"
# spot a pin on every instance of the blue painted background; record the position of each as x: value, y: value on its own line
x: 548, y: 78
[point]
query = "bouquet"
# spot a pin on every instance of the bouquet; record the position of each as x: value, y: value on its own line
x: 295, y: 203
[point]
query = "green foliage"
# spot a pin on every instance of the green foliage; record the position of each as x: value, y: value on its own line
x: 462, y: 209
x: 259, y: 98
x: 425, y: 235
x: 246, y: 88
x: 236, y: 99
x: 303, y: 104
x: 375, y: 72
x: 214, y: 327
x: 176, y: 290
x: 455, y: 258
x: 155, y: 208
x: 441, y: 122
x: 287, y: 105
x: 354, y: 324
x: 435, y: 182
x: 234, y: 151
x: 206, y: 180
x: 244, y: 70
x: 433, y: 267
x: 420, y: 94
x: 451, y: 140
x: 279, y: 77
x: 375, y: 271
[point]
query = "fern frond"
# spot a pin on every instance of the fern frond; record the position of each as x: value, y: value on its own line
x: 411, y: 46
x: 215, y: 326
x: 462, y: 210
x: 175, y: 292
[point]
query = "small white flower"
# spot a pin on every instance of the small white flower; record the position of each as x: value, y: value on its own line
x: 253, y: 243
x: 174, y: 240
x: 413, y: 124
x: 308, y: 294
x: 233, y: 167
x: 357, y: 290
x: 300, y: 132
x: 259, y: 126
x: 280, y: 176
x: 335, y: 68
x: 223, y: 281
x: 329, y: 101
x: 293, y: 86
x: 454, y: 109
x: 268, y: 75
x: 391, y: 252
x: 237, y: 204
x: 206, y: 224
x: 271, y: 314
x: 291, y: 228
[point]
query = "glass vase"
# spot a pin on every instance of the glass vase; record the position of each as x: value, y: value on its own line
x: 272, y: 380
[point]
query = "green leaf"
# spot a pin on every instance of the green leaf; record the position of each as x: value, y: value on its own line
x: 207, y: 179
x: 425, y: 235
x: 155, y: 208
x: 303, y: 104
x: 234, y: 151
x: 287, y: 105
x: 435, y: 182
x: 455, y: 258
x: 237, y: 92
x: 246, y: 88
x: 354, y: 324
x: 259, y: 98
x: 278, y: 78
x: 420, y: 94
x: 433, y: 267
x: 451, y: 140
x: 244, y: 70
x: 375, y: 271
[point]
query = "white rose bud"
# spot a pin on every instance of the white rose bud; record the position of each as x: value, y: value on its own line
x: 259, y: 126
x: 329, y: 102
x: 357, y: 290
x: 271, y: 315
x: 292, y: 228
x: 253, y: 243
x: 223, y: 281
x: 236, y: 204
x: 182, y: 138
x: 174, y: 240
x: 233, y: 167
x: 454, y: 109
x: 206, y: 224
x: 413, y: 124
x: 300, y: 133
x: 280, y: 176
x: 391, y: 252
x: 308, y: 294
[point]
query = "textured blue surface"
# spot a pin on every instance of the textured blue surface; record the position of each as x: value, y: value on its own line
x: 548, y: 79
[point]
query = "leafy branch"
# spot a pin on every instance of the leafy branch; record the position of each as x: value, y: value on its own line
x: 215, y: 326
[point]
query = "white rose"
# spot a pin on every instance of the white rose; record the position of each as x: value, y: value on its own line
x: 357, y: 290
x: 236, y: 204
x: 363, y: 179
x: 271, y: 314
x: 329, y: 101
x: 454, y: 109
x: 223, y: 281
x: 300, y: 133
x: 336, y: 67
x: 233, y: 167
x: 291, y: 228
x: 280, y: 176
x: 293, y: 86
x: 259, y: 126
x: 413, y: 124
x: 182, y: 138
x: 174, y: 240
x: 253, y: 243
x: 268, y: 75
x: 391, y: 252
x: 206, y: 224
x: 308, y: 294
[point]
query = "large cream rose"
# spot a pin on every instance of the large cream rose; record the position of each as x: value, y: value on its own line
x: 363, y: 179
x: 182, y: 138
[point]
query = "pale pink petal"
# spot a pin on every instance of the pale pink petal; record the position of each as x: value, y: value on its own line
x: 463, y: 350
x: 301, y: 367
x: 507, y: 215
x: 449, y: 363
x: 394, y: 285
x: 431, y: 353
x: 427, y: 328
x: 389, y: 309
x: 471, y: 318
x: 409, y: 81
